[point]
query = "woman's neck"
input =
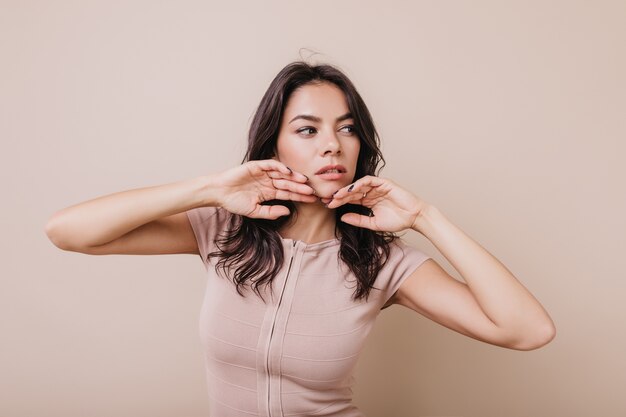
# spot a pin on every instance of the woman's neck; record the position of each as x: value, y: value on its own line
x: 315, y: 223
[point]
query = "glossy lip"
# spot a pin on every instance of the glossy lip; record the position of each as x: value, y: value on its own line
x: 332, y: 176
x: 338, y: 167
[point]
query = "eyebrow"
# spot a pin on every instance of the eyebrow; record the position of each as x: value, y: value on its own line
x: 317, y: 119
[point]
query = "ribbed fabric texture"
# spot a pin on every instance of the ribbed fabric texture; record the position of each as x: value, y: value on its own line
x: 295, y: 355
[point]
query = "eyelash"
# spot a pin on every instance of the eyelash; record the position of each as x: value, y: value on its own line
x: 312, y: 128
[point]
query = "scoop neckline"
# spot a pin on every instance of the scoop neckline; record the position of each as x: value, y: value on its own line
x: 307, y: 246
x: 317, y: 245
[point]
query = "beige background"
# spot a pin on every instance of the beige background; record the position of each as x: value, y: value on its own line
x: 507, y: 115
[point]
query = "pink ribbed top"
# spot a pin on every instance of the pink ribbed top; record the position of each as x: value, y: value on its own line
x: 295, y: 355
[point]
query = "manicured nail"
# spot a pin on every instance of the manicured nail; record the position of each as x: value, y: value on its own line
x: 351, y: 187
x: 289, y: 169
x: 307, y: 178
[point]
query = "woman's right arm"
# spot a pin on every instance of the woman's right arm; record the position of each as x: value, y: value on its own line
x: 153, y: 220
x: 148, y: 220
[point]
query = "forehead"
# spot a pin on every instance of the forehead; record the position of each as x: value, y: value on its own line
x: 324, y: 100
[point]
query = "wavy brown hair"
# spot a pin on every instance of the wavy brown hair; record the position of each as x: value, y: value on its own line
x: 252, y: 246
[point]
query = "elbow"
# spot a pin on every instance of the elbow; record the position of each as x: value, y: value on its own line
x: 52, y: 231
x: 49, y: 229
x: 541, y: 336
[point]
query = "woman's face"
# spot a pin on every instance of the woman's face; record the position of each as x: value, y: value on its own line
x: 325, y: 135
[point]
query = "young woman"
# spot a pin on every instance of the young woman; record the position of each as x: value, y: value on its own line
x: 300, y: 249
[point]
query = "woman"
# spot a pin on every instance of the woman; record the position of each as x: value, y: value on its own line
x: 303, y: 233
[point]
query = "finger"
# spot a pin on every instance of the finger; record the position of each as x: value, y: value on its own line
x: 359, y: 220
x: 288, y: 185
x: 269, y: 212
x: 290, y: 195
x: 354, y: 195
x: 295, y: 176
x: 272, y: 165
x: 362, y: 185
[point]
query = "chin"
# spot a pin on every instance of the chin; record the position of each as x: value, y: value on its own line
x: 328, y: 190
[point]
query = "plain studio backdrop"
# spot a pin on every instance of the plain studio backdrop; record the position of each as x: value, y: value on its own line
x: 509, y: 116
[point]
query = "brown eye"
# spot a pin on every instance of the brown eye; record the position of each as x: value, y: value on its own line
x: 305, y: 128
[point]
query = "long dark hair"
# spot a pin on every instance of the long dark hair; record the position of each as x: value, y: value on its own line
x: 253, y: 246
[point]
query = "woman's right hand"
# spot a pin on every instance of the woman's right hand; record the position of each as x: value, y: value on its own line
x: 244, y: 187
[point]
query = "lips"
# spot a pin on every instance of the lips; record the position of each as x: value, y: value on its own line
x: 339, y: 168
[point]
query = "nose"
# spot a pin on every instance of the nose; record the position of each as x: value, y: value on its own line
x: 331, y: 144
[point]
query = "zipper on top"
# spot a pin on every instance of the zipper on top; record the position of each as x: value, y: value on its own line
x: 269, y: 343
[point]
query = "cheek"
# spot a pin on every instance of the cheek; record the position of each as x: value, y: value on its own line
x: 356, y: 147
x: 295, y: 154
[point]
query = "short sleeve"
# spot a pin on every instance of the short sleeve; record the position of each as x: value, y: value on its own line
x: 207, y: 223
x: 402, y: 262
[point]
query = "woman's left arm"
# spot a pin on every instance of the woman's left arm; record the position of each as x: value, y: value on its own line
x: 491, y: 305
x: 507, y: 303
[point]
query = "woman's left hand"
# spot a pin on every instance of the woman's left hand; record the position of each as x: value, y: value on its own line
x: 393, y: 208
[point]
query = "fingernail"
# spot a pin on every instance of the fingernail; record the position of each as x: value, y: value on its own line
x: 351, y: 187
x: 335, y: 192
x: 289, y: 169
x: 307, y: 178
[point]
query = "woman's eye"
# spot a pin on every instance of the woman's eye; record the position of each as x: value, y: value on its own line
x: 351, y: 127
x: 305, y: 128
